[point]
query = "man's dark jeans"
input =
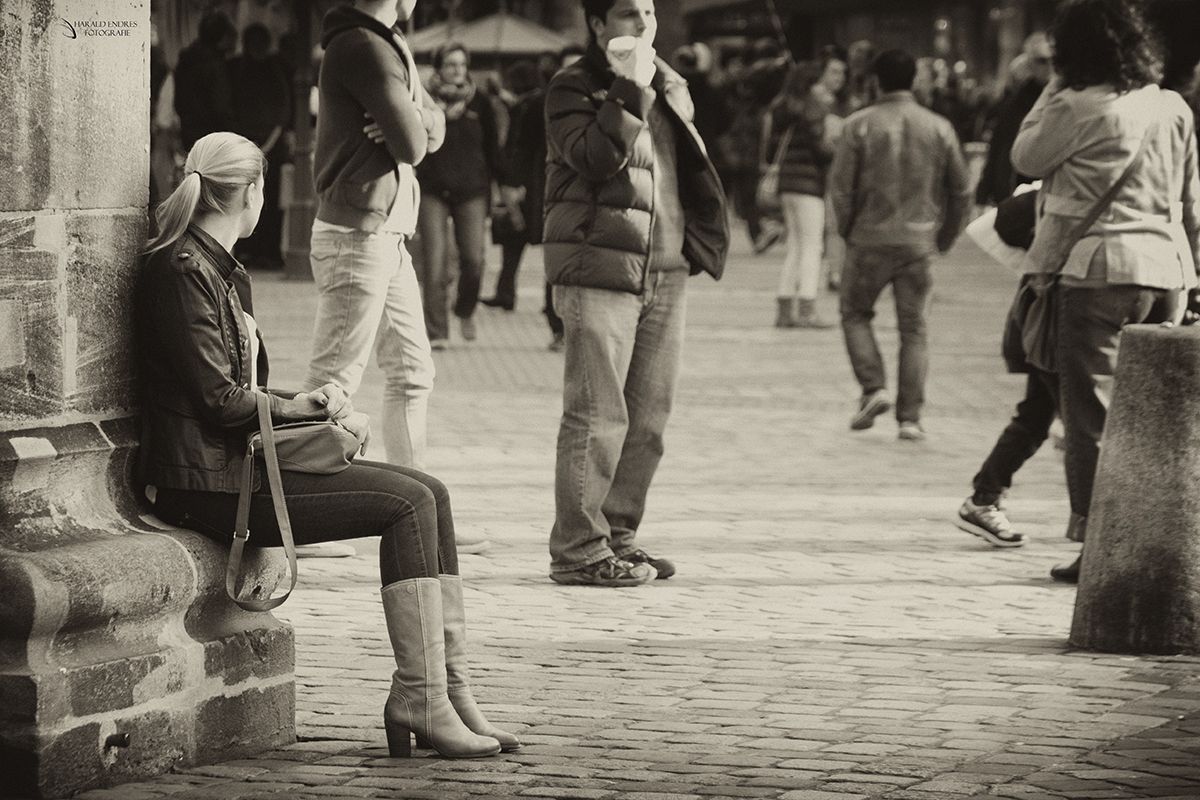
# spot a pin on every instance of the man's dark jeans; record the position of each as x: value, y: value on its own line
x: 867, y: 271
x: 1089, y: 329
x: 1019, y: 441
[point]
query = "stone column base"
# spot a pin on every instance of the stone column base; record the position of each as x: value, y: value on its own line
x: 120, y: 655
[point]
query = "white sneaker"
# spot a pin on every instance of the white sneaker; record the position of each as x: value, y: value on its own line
x: 911, y: 431
x: 988, y: 523
x: 870, y: 407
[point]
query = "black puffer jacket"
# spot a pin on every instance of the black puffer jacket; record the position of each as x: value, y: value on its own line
x: 600, y: 178
x: 194, y: 348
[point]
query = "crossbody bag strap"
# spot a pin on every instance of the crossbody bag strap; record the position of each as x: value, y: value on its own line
x: 1105, y: 201
x: 784, y: 141
x: 242, y: 529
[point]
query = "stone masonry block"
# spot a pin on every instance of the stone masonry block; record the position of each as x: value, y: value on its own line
x: 77, y: 101
x: 254, y: 654
x: 31, y: 386
x: 234, y: 727
x: 68, y: 290
x: 101, y: 277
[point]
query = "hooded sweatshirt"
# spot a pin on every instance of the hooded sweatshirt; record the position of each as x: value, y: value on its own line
x: 368, y: 70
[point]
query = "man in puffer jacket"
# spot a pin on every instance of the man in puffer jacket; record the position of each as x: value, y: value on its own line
x: 633, y: 207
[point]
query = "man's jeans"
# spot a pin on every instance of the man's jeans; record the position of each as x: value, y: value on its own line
x: 1020, y: 440
x: 868, y: 270
x: 433, y: 220
x: 368, y: 289
x: 1089, y: 330
x: 622, y: 360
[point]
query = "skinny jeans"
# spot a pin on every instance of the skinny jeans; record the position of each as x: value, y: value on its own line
x: 804, y: 216
x: 408, y: 509
x: 1029, y: 428
x: 433, y: 222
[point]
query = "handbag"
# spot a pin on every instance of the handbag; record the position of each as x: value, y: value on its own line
x: 320, y: 447
x: 1035, y: 307
x: 766, y: 196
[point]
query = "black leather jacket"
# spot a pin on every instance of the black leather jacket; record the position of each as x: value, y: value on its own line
x: 194, y: 351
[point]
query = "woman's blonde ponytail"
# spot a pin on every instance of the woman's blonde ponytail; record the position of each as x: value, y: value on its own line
x: 218, y: 166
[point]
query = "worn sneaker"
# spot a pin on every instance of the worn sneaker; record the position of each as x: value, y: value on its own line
x: 911, y: 431
x: 610, y: 571
x: 664, y: 568
x: 468, y: 328
x: 989, y: 523
x: 871, y: 406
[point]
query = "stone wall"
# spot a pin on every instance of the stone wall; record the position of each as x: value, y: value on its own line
x: 119, y: 654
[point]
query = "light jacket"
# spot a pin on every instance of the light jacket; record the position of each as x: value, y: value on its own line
x: 898, y: 177
x: 1079, y: 142
x: 194, y: 357
x: 364, y: 71
x: 600, y: 178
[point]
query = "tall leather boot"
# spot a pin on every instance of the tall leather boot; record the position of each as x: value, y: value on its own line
x: 807, y: 317
x: 786, y: 316
x: 455, y: 621
x: 418, y: 702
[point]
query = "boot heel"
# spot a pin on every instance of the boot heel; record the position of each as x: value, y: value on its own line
x: 399, y: 740
x: 422, y: 742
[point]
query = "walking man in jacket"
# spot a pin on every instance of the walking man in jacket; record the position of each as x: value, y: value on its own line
x: 633, y: 206
x: 367, y: 200
x: 900, y: 192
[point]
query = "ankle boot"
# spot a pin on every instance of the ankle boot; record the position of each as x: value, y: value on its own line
x: 807, y: 317
x: 455, y: 621
x: 786, y: 316
x: 418, y: 702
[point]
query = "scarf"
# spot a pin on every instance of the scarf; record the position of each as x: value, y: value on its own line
x: 452, y: 98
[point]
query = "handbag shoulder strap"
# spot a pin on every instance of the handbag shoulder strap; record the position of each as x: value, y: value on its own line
x: 242, y: 531
x: 1106, y: 200
x: 784, y: 141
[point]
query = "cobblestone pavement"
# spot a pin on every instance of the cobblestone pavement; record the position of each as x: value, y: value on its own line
x: 829, y: 635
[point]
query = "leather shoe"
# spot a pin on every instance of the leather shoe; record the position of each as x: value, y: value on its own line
x: 1067, y: 573
x: 496, y: 302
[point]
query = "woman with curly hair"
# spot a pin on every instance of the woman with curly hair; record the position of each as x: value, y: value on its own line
x: 1101, y: 112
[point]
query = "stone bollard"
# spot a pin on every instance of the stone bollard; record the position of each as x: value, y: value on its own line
x: 1139, y: 586
x: 120, y: 656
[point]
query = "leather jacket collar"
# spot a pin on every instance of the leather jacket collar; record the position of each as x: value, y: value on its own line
x: 228, y: 267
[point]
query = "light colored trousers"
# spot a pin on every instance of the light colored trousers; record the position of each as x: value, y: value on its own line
x: 804, y: 216
x: 622, y: 360
x: 368, y: 291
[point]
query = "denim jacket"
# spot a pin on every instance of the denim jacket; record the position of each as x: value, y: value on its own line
x: 899, y: 178
x: 194, y: 351
x: 1079, y: 142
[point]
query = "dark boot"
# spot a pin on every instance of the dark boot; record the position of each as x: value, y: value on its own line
x: 786, y: 316
x: 1067, y: 573
x: 807, y: 316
